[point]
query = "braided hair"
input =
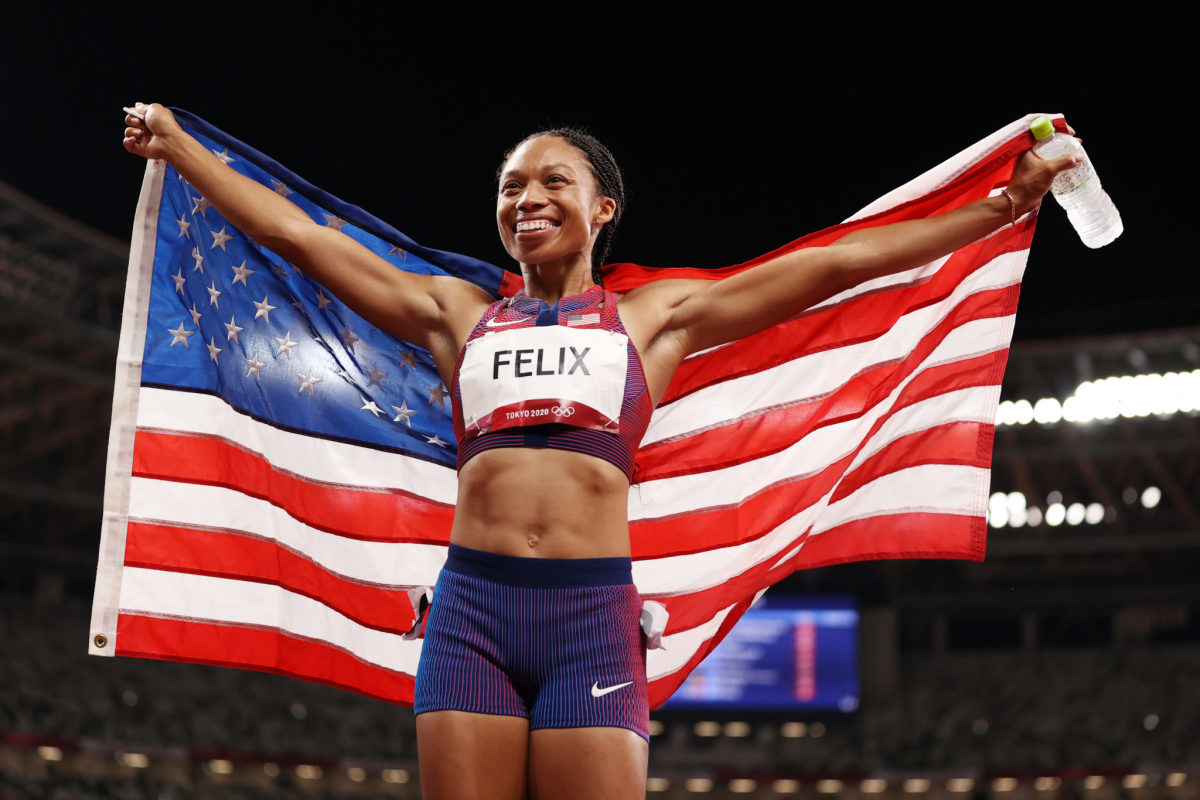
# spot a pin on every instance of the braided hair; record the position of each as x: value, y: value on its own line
x: 608, y: 179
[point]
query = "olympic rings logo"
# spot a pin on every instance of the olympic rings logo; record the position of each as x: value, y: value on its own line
x: 562, y: 411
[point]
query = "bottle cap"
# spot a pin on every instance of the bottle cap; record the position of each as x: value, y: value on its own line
x: 1041, y: 128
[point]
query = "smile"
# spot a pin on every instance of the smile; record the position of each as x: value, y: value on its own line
x: 535, y: 225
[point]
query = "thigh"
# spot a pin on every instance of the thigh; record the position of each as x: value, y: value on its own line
x: 465, y: 756
x: 586, y: 763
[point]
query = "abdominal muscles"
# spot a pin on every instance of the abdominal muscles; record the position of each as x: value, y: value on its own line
x: 542, y: 503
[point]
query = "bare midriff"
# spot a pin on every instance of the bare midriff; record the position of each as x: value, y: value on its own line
x: 542, y: 503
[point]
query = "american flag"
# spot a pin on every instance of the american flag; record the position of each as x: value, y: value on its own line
x: 281, y: 474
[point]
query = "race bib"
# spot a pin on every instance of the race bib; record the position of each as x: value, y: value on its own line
x: 549, y: 374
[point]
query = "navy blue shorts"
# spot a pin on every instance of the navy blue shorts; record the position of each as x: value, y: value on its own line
x: 556, y: 641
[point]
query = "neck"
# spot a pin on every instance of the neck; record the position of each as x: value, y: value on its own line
x: 552, y: 283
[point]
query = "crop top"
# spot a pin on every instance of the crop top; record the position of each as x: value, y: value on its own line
x: 565, y: 377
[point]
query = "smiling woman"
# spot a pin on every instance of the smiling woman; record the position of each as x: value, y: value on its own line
x: 533, y: 677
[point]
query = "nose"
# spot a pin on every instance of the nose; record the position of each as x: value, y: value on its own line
x: 532, y: 198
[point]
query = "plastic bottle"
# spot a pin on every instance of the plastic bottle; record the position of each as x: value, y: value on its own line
x: 1078, y: 190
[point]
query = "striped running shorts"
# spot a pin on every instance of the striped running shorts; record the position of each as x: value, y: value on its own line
x: 556, y: 641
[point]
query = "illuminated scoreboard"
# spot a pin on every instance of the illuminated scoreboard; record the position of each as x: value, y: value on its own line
x: 787, y: 653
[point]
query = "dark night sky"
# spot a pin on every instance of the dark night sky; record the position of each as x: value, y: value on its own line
x: 736, y: 137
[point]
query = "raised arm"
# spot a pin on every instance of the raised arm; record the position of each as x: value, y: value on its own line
x: 431, y: 311
x: 675, y: 318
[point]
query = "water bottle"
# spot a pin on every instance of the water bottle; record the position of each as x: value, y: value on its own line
x: 1078, y: 190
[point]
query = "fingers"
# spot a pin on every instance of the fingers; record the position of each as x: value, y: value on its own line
x: 1066, y: 162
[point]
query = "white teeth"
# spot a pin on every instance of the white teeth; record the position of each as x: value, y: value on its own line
x: 534, y: 225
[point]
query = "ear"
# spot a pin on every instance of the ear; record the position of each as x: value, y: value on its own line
x: 606, y: 207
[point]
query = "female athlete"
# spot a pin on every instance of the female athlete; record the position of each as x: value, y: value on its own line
x: 532, y: 679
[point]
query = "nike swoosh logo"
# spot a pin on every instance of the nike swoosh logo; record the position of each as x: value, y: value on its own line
x: 491, y: 323
x: 598, y: 692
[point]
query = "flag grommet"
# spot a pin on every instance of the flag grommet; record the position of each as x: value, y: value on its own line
x: 100, y: 640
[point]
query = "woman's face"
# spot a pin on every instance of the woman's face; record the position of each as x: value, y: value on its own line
x: 549, y: 208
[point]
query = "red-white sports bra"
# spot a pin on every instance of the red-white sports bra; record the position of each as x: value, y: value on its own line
x: 564, y: 377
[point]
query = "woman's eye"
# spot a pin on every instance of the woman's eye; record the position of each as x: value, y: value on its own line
x: 509, y: 188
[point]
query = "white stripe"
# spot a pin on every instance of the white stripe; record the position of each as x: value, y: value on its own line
x: 218, y: 508
x: 314, y: 458
x: 678, y: 648
x: 822, y: 372
x: 234, y: 602
x: 941, y: 488
x: 119, y: 463
x: 823, y: 446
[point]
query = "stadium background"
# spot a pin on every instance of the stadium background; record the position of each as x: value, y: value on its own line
x: 1063, y: 666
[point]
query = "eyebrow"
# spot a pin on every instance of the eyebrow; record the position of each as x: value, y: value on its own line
x: 548, y: 167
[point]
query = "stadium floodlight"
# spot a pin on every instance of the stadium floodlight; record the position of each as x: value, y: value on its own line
x: 1151, y: 496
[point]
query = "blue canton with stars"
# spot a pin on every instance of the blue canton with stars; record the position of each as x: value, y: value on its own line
x: 229, y: 317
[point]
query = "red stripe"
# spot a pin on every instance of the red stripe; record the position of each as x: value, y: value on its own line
x: 244, y: 556
x: 267, y: 650
x: 872, y: 316
x: 388, y: 515
x: 923, y: 536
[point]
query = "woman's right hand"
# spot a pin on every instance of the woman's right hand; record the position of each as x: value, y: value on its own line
x: 150, y: 137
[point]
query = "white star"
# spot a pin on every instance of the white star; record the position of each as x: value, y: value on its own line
x: 369, y: 405
x: 179, y: 335
x: 201, y: 206
x: 322, y: 300
x: 403, y: 412
x: 264, y: 308
x: 398, y: 251
x: 224, y: 156
x: 199, y: 259
x: 435, y: 439
x: 213, y: 349
x: 213, y: 294
x: 374, y: 376
x: 285, y: 344
x: 280, y: 189
x: 348, y: 338
x: 334, y: 222
x: 280, y: 272
x: 179, y: 281
x: 195, y: 315
x: 437, y: 394
x: 307, y: 382
x: 220, y: 238
x: 232, y: 329
x: 183, y: 226
x: 407, y: 358
x: 241, y: 273
x: 254, y: 366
